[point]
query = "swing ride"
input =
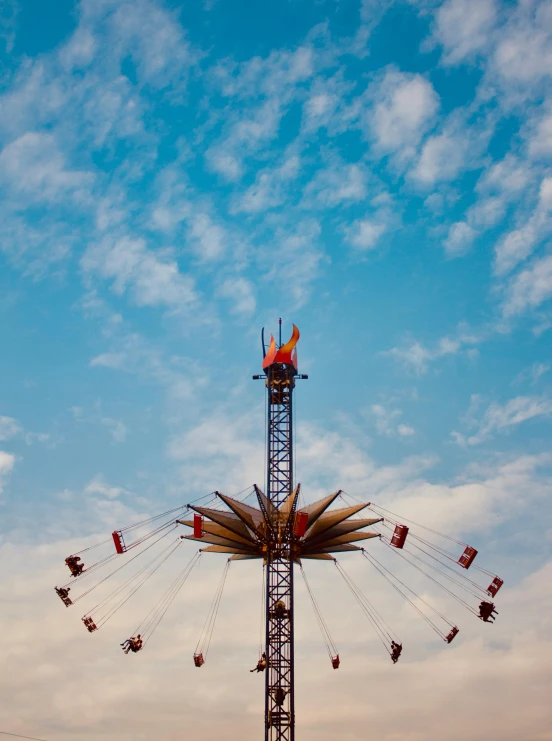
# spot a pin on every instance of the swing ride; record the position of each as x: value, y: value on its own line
x: 283, y: 532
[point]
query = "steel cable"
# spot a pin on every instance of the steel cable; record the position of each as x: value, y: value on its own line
x: 326, y: 636
x: 206, y: 634
x: 169, y: 597
x: 422, y: 614
x: 452, y: 594
x: 111, y: 611
x: 368, y: 609
x: 123, y: 566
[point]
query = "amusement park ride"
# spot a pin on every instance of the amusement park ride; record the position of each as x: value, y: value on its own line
x: 283, y: 533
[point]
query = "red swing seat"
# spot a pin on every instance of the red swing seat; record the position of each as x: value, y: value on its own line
x: 451, y: 635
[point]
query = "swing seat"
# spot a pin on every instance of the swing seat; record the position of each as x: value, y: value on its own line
x: 451, y: 635
x: 495, y: 585
x: 198, y: 526
x: 300, y: 524
x: 117, y: 536
x: 90, y: 624
x: 466, y: 559
x: 335, y: 661
x: 199, y: 660
x: 399, y: 536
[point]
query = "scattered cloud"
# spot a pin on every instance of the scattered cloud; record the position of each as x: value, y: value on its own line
x: 145, y: 32
x: 241, y: 292
x: 529, y: 288
x: 8, y: 25
x: 9, y: 427
x: 533, y: 374
x: 99, y: 487
x: 44, y: 438
x: 463, y: 28
x: 293, y: 259
x: 364, y: 234
x: 152, y: 277
x: 133, y: 354
x: 209, y: 238
x: 274, y: 81
x: 33, y: 167
x: 117, y: 429
x: 523, y: 54
x: 337, y: 185
x: 499, y: 187
x: 501, y: 418
x: 444, y: 155
x: 270, y: 189
x: 403, y: 107
x: 325, y: 100
x: 387, y: 423
x: 540, y: 141
x: 416, y: 357
x: 515, y: 246
x: 7, y: 462
x: 459, y: 240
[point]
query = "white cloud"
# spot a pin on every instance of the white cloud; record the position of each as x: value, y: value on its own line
x: 295, y: 253
x: 274, y: 82
x: 459, y: 239
x: 405, y: 430
x: 442, y: 157
x: 387, y: 422
x: 99, y: 487
x: 325, y: 99
x: 500, y: 418
x: 529, y: 289
x: 117, y: 429
x: 9, y: 427
x: 80, y: 50
x: 152, y: 277
x: 8, y: 25
x: 403, y: 108
x: 510, y: 176
x: 41, y: 437
x: 131, y: 353
x: 210, y: 238
x: 275, y: 75
x: 246, y: 133
x: 335, y: 185
x: 270, y: 189
x: 518, y: 244
x: 364, y: 234
x: 7, y: 462
x: 540, y: 142
x: 523, y: 54
x: 463, y: 27
x: 416, y: 357
x: 147, y: 33
x: 499, y: 186
x: 532, y: 374
x: 224, y: 163
x: 240, y: 291
x: 33, y: 166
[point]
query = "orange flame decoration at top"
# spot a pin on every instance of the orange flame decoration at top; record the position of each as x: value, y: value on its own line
x: 286, y: 354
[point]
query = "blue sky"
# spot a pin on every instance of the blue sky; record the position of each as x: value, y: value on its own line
x: 175, y: 176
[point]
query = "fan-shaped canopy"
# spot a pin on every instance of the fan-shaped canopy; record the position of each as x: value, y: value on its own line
x: 245, y: 531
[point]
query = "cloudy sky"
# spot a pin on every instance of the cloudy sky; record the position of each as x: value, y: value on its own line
x: 173, y: 177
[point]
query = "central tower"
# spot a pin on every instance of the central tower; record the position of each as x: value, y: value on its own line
x: 280, y: 365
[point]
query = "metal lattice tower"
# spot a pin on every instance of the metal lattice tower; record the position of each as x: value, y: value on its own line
x: 279, y: 701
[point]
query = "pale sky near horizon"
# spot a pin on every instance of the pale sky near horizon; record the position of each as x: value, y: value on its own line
x: 175, y: 176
